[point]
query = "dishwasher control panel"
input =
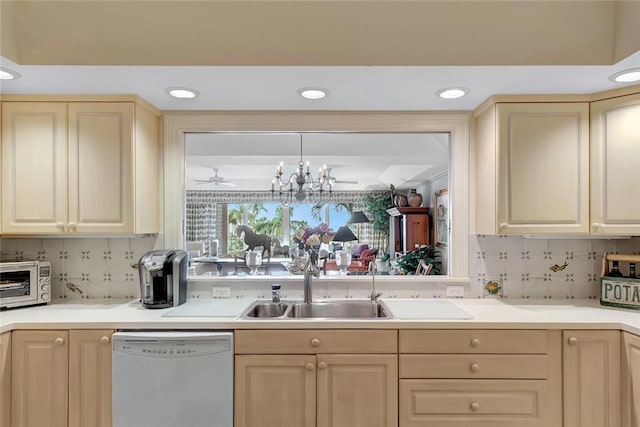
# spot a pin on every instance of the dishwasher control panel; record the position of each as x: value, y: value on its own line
x: 149, y: 347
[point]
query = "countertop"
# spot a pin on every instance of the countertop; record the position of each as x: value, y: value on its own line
x: 487, y: 314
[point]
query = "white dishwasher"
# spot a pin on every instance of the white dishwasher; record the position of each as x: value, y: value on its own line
x: 172, y: 379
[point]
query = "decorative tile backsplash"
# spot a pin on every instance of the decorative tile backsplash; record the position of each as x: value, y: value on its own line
x: 499, y: 267
x: 540, y: 268
x: 89, y: 269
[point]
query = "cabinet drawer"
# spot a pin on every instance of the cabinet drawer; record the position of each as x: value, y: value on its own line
x: 315, y: 341
x: 475, y: 403
x: 530, y: 366
x: 473, y: 341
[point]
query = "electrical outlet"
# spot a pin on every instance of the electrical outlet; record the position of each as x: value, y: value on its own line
x: 455, y: 291
x: 221, y: 292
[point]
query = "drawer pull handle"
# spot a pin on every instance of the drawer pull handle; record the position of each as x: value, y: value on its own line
x: 59, y: 225
x: 475, y: 406
x: 475, y: 367
x: 315, y: 342
x: 309, y: 367
x: 475, y: 342
x: 104, y: 340
x: 573, y: 341
x: 322, y: 365
x: 59, y: 341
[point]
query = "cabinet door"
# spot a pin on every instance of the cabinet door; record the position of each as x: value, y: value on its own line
x: 358, y: 390
x: 630, y: 380
x: 90, y: 378
x: 275, y: 391
x: 416, y: 231
x: 591, y: 374
x: 5, y: 379
x: 100, y: 167
x: 39, y: 378
x: 543, y: 184
x: 615, y: 156
x: 34, y: 167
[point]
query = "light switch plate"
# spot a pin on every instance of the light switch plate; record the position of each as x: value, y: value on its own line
x: 221, y: 292
x: 455, y: 291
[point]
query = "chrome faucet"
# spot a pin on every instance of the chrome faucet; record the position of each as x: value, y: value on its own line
x: 374, y: 295
x: 310, y: 270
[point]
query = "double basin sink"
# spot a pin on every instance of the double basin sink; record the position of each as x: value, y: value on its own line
x: 317, y: 310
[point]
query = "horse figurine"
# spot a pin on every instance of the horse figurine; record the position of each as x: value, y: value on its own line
x: 253, y: 239
x: 279, y: 250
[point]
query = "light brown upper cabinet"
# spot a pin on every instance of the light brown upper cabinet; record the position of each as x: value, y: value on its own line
x: 79, y: 168
x: 615, y: 156
x: 532, y: 168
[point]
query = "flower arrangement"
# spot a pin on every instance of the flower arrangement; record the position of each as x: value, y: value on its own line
x: 311, y: 237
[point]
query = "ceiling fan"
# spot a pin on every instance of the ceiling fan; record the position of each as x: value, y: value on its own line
x: 338, y: 181
x: 215, y: 179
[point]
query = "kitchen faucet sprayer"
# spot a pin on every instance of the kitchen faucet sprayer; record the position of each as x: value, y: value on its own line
x: 372, y: 267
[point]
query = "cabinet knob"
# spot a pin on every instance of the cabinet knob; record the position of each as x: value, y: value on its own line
x: 504, y: 226
x: 104, y: 340
x: 59, y: 341
x: 309, y: 367
x: 475, y: 406
x: 60, y: 225
x: 73, y: 225
x: 475, y: 342
x: 573, y: 340
x: 475, y: 367
x: 322, y: 365
x: 315, y: 342
x: 595, y: 225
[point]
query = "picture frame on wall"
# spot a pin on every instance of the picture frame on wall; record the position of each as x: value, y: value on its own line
x: 441, y: 217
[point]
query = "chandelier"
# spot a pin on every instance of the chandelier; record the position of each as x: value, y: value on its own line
x: 301, y: 185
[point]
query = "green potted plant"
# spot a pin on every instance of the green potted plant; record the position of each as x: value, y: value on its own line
x: 376, y: 205
x: 409, y: 261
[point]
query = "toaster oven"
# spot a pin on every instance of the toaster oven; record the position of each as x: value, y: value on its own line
x: 24, y: 283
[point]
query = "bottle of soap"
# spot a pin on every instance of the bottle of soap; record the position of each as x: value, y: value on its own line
x: 275, y: 293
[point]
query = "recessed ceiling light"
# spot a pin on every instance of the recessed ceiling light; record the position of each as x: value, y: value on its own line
x: 182, y: 92
x: 626, y: 76
x: 6, y: 74
x: 452, y: 92
x: 313, y: 92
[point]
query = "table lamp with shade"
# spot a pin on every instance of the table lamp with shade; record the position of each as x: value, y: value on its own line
x: 358, y: 217
x: 343, y: 256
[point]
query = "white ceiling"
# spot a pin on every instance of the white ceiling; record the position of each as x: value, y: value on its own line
x: 350, y: 88
x: 373, y: 160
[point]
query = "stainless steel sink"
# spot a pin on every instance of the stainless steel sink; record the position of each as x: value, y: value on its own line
x: 260, y: 309
x: 318, y: 310
x: 338, y: 310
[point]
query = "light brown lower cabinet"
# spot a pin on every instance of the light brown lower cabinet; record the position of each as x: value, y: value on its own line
x: 312, y: 386
x: 39, y: 380
x: 630, y: 380
x: 480, y: 378
x: 591, y: 378
x: 5, y: 379
x: 61, y: 378
x: 275, y: 390
x: 90, y: 378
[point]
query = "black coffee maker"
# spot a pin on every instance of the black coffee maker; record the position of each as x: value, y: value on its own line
x: 163, y: 278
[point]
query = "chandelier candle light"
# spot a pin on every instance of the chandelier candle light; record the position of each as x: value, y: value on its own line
x: 301, y: 183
